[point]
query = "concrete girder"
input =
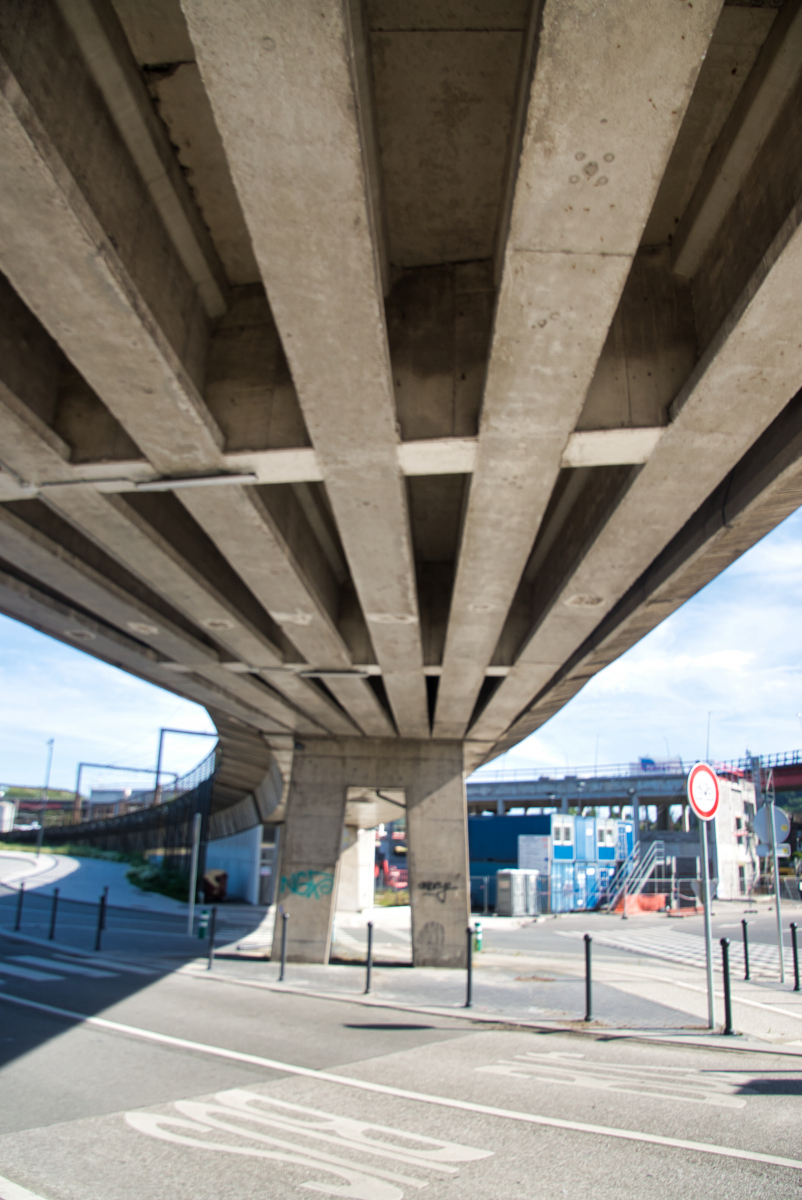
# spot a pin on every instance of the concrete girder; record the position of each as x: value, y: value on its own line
x: 100, y: 36
x: 764, y: 489
x: 431, y: 456
x: 120, y: 347
x: 746, y: 376
x: 299, y: 157
x: 245, y: 533
x: 26, y: 603
x: 586, y: 181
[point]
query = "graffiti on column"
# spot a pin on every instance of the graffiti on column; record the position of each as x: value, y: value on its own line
x: 311, y: 884
x: 437, y: 888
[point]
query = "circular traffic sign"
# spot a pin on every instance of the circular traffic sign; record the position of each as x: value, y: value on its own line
x: 703, y: 792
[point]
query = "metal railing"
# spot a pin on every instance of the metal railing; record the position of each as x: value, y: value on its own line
x: 632, y: 875
x: 674, y: 766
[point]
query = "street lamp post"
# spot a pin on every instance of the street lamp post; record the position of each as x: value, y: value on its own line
x: 40, y: 835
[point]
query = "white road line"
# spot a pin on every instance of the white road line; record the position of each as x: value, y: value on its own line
x: 77, y: 955
x: 27, y: 973
x: 384, y: 1089
x: 126, y: 968
x: 69, y: 967
x: 13, y: 1191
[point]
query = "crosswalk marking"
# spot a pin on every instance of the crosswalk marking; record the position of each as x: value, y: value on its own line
x: 674, y: 946
x: 112, y: 964
x: 27, y: 973
x: 70, y: 968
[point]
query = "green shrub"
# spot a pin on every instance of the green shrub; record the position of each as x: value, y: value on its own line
x: 151, y: 878
x: 390, y: 899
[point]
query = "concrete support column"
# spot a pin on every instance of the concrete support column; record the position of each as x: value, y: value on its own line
x: 310, y: 855
x: 437, y: 840
x: 431, y: 775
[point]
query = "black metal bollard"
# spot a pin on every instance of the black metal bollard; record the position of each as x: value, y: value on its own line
x: 588, y: 980
x: 725, y: 966
x: 53, y: 909
x: 746, y: 949
x: 20, y: 898
x: 469, y: 982
x: 212, y: 929
x: 795, y: 949
x: 105, y: 903
x: 369, y: 963
x: 284, y: 919
x: 101, y: 920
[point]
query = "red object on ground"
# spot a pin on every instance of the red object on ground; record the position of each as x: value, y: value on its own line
x: 642, y: 904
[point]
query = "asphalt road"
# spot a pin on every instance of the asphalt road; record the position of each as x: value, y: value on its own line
x: 179, y: 1086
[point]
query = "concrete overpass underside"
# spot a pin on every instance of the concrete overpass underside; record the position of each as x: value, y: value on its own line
x: 374, y: 374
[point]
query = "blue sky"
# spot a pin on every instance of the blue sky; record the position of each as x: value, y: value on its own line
x: 734, y: 650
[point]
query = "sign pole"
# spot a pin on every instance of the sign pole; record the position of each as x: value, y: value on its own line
x: 704, y: 795
x: 711, y: 996
x: 773, y: 837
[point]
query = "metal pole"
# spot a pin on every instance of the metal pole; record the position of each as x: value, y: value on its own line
x: 53, y: 909
x: 725, y: 966
x: 744, y: 924
x: 285, y: 916
x: 41, y: 833
x: 624, y: 870
x: 795, y: 949
x: 369, y: 964
x: 212, y: 931
x: 193, y: 872
x: 777, y: 909
x: 469, y: 987
x: 157, y: 791
x: 487, y: 889
x: 20, y: 898
x: 588, y: 980
x: 105, y: 903
x: 101, y: 920
x: 711, y: 999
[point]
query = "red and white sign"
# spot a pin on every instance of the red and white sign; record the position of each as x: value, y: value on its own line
x: 703, y: 791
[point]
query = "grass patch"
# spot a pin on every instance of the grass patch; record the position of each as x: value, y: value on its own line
x: 391, y: 899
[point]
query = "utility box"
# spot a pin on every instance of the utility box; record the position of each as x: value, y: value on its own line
x: 516, y: 893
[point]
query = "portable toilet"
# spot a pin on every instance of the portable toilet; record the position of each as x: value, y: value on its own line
x: 516, y: 893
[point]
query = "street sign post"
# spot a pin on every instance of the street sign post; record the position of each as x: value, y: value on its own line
x: 703, y: 796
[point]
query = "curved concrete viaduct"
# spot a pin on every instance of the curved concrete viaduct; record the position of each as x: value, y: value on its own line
x: 374, y: 373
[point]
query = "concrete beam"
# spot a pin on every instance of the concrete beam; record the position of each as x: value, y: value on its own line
x: 770, y: 83
x: 283, y: 83
x: 588, y: 170
x: 24, y: 602
x: 746, y: 377
x: 764, y: 489
x: 103, y: 44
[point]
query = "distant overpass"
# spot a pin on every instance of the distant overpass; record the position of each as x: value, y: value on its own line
x: 375, y: 374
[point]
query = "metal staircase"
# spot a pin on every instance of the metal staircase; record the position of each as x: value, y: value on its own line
x: 632, y: 874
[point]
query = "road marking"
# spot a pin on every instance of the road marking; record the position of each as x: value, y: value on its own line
x: 13, y: 1191
x: 384, y: 1089
x: 670, y: 1083
x: 673, y: 946
x: 27, y: 973
x: 238, y: 1110
x: 78, y: 955
x: 71, y: 968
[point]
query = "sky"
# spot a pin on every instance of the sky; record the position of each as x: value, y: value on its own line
x: 733, y: 651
